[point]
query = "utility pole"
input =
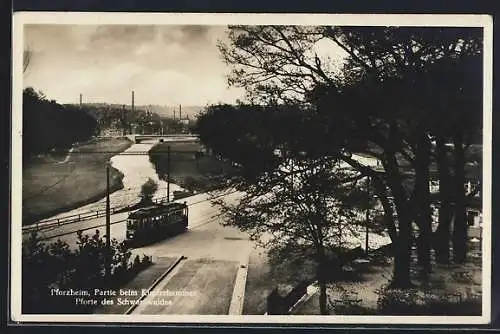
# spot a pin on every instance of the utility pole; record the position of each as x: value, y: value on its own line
x: 367, y: 214
x: 174, y: 113
x: 180, y: 112
x: 108, y: 227
x: 168, y: 173
x: 80, y: 100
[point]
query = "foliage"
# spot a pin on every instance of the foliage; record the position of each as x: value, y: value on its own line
x: 148, y: 189
x: 397, y: 301
x: 49, y: 126
x: 348, y: 303
x: 395, y: 87
x: 48, y: 267
x: 416, y: 302
x: 297, y: 203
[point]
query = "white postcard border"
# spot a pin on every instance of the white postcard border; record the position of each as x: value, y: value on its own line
x: 72, y: 18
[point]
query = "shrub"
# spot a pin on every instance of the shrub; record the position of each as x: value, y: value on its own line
x: 397, y: 301
x: 427, y: 302
x: 56, y: 266
x: 348, y: 303
x: 148, y: 189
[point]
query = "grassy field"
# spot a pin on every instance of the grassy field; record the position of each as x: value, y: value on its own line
x: 451, y: 290
x: 55, y: 183
x: 193, y: 173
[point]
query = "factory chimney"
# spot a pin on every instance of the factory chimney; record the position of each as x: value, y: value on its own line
x: 133, y: 105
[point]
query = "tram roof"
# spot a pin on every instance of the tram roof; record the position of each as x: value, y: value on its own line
x: 156, y: 209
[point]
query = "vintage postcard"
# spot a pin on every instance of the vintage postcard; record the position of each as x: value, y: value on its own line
x: 251, y: 168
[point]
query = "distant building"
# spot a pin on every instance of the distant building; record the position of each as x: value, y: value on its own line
x: 474, y: 209
x: 111, y: 132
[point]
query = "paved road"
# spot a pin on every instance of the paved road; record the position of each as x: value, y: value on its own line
x: 208, y: 275
x: 213, y: 257
x: 201, y: 212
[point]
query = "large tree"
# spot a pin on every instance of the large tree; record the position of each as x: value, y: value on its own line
x: 294, y: 200
x: 49, y: 126
x: 376, y: 96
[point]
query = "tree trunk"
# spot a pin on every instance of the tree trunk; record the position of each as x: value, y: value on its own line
x: 460, y: 221
x: 381, y: 192
x: 401, y: 273
x: 423, y: 212
x: 442, y: 235
x: 321, y: 275
x: 402, y: 246
x: 322, y: 297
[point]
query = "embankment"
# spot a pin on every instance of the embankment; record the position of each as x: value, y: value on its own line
x: 50, y: 188
x: 188, y: 168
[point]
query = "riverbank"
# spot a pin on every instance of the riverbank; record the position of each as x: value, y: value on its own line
x: 189, y: 168
x: 53, y: 185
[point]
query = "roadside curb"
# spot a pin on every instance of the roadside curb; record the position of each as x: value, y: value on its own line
x: 154, y: 284
x: 238, y: 297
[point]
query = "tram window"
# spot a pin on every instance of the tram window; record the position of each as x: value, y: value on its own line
x: 132, y: 223
x: 471, y: 217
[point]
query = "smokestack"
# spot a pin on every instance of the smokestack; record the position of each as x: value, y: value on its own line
x: 133, y: 101
x: 174, y: 113
x: 80, y: 100
x: 180, y: 110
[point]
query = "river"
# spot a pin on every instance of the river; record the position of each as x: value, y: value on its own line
x: 136, y: 170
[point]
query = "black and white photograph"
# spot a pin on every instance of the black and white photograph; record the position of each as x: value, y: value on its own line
x: 251, y: 168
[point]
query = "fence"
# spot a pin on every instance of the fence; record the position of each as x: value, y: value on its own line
x: 71, y: 219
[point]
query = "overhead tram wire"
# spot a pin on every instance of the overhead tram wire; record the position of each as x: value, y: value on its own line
x: 100, y: 206
x: 124, y: 220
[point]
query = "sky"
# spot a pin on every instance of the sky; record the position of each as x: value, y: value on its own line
x: 164, y: 65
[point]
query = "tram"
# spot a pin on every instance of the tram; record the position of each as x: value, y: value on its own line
x: 156, y: 222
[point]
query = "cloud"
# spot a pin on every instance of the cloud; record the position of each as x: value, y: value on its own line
x: 164, y: 63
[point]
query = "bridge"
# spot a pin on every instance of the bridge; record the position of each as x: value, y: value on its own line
x: 137, y: 138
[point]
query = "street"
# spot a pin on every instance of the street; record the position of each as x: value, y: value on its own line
x: 213, y: 254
